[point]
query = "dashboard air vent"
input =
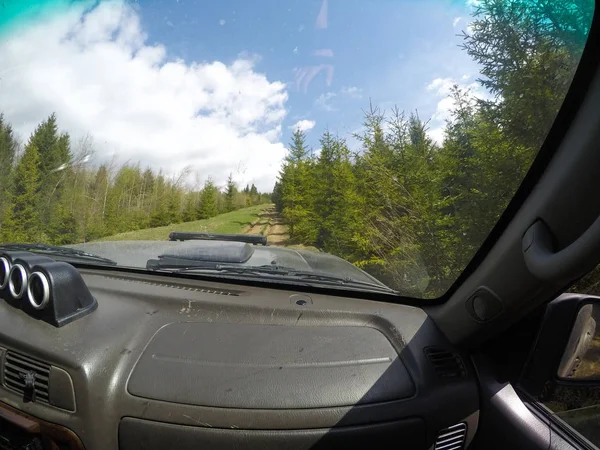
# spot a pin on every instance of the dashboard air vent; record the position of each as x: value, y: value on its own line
x: 451, y: 438
x: 17, y: 369
x: 446, y: 364
x: 204, y: 290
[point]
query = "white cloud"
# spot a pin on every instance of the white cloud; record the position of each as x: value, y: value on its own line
x: 99, y: 74
x: 295, y: 50
x: 352, y: 92
x: 441, y: 88
x: 303, y: 125
x: 222, y: 22
x: 323, y: 101
x: 455, y: 21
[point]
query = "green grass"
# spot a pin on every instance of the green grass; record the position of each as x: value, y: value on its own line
x: 230, y: 223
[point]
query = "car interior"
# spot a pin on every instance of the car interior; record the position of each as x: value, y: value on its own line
x: 104, y: 358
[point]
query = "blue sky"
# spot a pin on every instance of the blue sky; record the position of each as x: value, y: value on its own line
x: 388, y: 51
x: 217, y: 87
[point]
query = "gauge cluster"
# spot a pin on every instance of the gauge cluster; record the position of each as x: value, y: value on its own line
x: 45, y: 289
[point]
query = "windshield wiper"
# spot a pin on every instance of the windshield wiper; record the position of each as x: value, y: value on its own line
x: 181, y: 265
x: 321, y: 277
x: 55, y: 250
x: 282, y: 272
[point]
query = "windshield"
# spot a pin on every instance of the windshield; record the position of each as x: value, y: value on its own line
x: 370, y: 142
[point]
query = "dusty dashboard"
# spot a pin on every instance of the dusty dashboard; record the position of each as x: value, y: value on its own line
x: 153, y: 362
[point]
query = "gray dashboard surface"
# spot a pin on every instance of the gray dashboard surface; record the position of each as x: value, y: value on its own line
x: 136, y: 434
x: 270, y: 366
x: 139, y: 315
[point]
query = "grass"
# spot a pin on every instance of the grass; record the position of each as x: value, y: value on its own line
x: 229, y: 223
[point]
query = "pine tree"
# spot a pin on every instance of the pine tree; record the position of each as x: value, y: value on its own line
x: 254, y: 195
x: 160, y: 215
x: 190, y: 211
x: 336, y: 200
x: 62, y: 229
x: 45, y: 139
x: 230, y: 192
x: 54, y: 156
x: 277, y: 196
x: 8, y: 149
x: 21, y: 219
x: 208, y: 201
x: 296, y: 188
x: 528, y: 52
x: 174, y: 205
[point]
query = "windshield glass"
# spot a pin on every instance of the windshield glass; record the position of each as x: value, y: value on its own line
x: 370, y: 142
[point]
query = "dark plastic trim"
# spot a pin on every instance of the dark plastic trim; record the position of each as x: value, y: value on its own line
x: 546, y: 264
x: 247, y: 238
x: 547, y: 351
x: 70, y: 298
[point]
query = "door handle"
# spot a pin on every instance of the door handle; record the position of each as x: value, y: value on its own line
x: 564, y: 265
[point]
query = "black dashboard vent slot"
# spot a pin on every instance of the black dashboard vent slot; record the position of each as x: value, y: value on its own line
x: 19, y: 369
x: 446, y: 364
x: 451, y: 438
x: 184, y: 287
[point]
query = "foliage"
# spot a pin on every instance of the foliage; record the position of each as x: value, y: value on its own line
x: 231, y: 222
x: 230, y: 192
x: 51, y: 194
x: 21, y: 220
x: 412, y: 212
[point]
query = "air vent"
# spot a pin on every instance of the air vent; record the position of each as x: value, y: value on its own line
x: 202, y: 289
x: 17, y: 366
x: 446, y: 364
x: 451, y: 438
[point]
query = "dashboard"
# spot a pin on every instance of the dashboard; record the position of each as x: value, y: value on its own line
x: 150, y: 361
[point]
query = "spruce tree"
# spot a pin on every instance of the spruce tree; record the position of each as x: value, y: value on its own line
x: 8, y: 149
x: 208, y: 201
x: 21, y: 219
x: 230, y: 192
x: 296, y: 188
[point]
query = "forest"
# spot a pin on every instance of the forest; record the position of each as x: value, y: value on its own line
x: 51, y: 194
x: 410, y: 211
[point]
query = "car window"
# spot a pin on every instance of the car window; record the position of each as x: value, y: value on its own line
x: 572, y: 396
x: 387, y: 136
x: 579, y: 409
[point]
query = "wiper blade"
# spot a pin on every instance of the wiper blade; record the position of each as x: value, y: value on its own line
x: 307, y: 275
x: 247, y: 238
x: 283, y: 273
x: 56, y: 250
x: 181, y: 265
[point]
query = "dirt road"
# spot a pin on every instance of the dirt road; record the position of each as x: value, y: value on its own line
x: 270, y: 224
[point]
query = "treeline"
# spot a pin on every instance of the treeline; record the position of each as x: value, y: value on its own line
x: 50, y: 192
x: 403, y: 203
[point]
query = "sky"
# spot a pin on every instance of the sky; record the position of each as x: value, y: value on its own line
x: 219, y: 87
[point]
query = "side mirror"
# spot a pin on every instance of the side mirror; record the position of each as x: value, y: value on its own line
x: 567, y: 348
x: 562, y: 375
x: 581, y: 358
